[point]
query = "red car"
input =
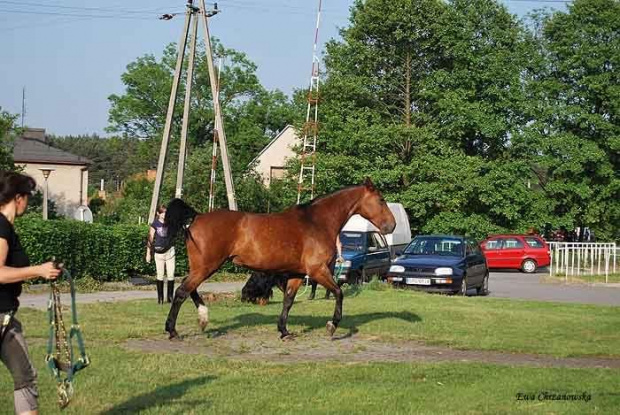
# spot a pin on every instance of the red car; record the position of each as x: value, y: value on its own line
x: 524, y: 252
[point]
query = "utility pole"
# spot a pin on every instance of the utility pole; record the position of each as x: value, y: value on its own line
x: 163, y: 151
x: 188, y: 96
x: 219, y: 122
x: 214, y: 151
x: 191, y: 13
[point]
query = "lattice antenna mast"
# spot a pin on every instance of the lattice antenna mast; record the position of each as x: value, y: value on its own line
x: 311, y: 126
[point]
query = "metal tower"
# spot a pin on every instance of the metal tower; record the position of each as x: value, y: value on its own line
x: 311, y: 126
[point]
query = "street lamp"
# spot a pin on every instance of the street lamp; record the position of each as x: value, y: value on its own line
x: 46, y: 174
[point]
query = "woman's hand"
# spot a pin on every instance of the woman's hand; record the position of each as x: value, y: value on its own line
x: 49, y: 271
x: 148, y: 256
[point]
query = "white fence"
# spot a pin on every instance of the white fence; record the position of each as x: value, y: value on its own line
x: 582, y: 258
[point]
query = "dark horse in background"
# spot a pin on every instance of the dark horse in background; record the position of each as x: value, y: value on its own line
x: 296, y: 242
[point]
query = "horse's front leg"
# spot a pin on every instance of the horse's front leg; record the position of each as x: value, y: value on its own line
x: 188, y: 287
x: 203, y: 311
x: 324, y: 277
x: 292, y: 286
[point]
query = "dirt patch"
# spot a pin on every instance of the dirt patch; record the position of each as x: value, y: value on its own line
x: 210, y: 297
x: 267, y: 347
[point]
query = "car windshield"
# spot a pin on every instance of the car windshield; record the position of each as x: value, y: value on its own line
x: 352, y: 241
x: 435, y: 246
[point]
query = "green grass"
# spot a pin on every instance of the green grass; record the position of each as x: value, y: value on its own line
x: 581, y: 279
x: 129, y: 381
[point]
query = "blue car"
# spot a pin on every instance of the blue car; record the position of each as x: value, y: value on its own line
x: 366, y: 253
x: 441, y: 263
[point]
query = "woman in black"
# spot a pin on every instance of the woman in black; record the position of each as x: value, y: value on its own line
x: 164, y: 256
x: 15, y: 268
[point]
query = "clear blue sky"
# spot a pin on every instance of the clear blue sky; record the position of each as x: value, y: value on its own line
x: 70, y: 54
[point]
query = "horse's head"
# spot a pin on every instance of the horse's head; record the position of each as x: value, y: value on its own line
x: 372, y: 207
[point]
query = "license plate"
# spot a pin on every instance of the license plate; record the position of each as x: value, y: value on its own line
x: 419, y: 281
x: 342, y: 277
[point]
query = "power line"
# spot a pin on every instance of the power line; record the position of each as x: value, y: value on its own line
x: 95, y: 16
x: 108, y: 13
x: 56, y: 6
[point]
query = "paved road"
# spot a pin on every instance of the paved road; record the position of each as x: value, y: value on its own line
x: 514, y: 284
x: 506, y: 284
x: 39, y: 301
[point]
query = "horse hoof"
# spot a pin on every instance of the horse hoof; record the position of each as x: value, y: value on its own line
x: 331, y: 328
x: 203, y: 324
x: 174, y: 335
x: 288, y: 337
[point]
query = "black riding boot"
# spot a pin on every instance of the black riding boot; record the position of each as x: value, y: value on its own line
x: 170, y: 290
x: 160, y: 292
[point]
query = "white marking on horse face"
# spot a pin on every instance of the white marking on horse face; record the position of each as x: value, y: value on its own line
x: 203, y: 313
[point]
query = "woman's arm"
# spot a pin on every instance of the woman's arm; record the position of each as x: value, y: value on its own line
x: 9, y: 274
x: 149, y: 243
x: 338, y: 246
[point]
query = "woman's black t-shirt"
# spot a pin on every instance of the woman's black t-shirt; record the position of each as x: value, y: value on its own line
x: 15, y: 258
x: 160, y: 241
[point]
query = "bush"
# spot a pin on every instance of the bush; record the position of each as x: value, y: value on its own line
x: 105, y: 253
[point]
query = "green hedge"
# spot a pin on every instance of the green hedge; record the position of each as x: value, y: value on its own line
x: 106, y: 253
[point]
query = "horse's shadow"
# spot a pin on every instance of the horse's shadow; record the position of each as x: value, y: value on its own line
x: 311, y: 323
x: 161, y: 396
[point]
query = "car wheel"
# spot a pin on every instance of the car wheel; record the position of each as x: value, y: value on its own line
x: 463, y: 289
x: 484, y: 288
x: 529, y: 266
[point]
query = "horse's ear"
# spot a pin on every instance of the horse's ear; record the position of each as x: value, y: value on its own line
x: 368, y: 183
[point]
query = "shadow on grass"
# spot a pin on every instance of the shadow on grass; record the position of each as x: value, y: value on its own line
x: 311, y: 323
x: 164, y: 395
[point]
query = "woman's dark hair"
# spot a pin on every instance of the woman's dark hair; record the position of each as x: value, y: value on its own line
x: 161, y: 209
x: 13, y: 184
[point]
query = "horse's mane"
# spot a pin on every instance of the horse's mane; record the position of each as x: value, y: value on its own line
x: 310, y: 203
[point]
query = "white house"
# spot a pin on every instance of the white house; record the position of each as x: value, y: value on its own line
x: 271, y: 161
x: 67, y: 183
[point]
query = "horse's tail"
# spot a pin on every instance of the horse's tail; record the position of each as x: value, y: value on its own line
x: 178, y: 215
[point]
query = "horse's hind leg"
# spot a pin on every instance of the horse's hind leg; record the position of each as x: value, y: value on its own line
x: 324, y: 277
x: 203, y: 311
x: 292, y: 286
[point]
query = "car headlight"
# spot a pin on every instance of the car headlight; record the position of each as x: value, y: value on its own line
x: 397, y: 268
x: 443, y: 271
x: 346, y: 264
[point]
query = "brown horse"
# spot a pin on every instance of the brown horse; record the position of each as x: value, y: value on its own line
x: 298, y: 241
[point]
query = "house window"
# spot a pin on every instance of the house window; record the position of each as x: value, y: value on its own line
x: 277, y: 173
